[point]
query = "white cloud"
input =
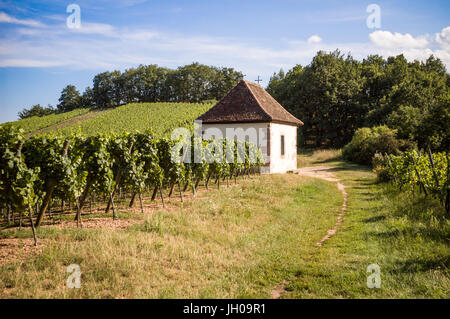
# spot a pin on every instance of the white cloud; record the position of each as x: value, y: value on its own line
x: 5, y: 18
x: 29, y: 63
x: 57, y: 17
x: 314, y: 39
x: 140, y: 35
x: 443, y: 38
x: 96, y: 28
x: 101, y: 47
x: 386, y: 39
x: 130, y: 3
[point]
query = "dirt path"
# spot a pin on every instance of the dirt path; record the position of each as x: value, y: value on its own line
x: 325, y: 173
x: 72, y: 121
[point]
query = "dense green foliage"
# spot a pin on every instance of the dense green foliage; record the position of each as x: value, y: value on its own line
x: 151, y: 83
x: 36, y: 110
x: 71, y: 168
x: 335, y: 95
x: 161, y: 118
x: 16, y: 179
x: 70, y: 99
x: 368, y: 141
x: 147, y: 83
x: 428, y: 172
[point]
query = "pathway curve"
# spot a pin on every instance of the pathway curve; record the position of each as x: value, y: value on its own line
x: 325, y: 173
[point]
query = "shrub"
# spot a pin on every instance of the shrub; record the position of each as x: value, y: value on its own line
x: 368, y: 141
x: 380, y: 167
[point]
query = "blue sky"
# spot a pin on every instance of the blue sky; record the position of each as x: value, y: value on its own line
x: 39, y: 54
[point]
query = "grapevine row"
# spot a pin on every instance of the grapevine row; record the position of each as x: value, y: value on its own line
x: 35, y: 171
x: 430, y: 172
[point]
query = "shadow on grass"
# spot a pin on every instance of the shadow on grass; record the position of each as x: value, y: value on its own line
x: 329, y: 160
x: 374, y: 219
x: 435, y: 234
x: 347, y: 166
x: 424, y: 264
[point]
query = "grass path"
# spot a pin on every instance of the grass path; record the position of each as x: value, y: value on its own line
x: 73, y: 121
x: 406, y: 236
x: 325, y: 173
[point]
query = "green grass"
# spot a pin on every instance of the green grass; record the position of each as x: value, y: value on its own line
x: 37, y: 123
x: 162, y: 118
x: 238, y: 242
x: 310, y: 157
x: 243, y: 241
x: 407, y: 236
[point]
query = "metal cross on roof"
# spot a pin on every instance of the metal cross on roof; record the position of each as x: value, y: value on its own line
x: 258, y: 80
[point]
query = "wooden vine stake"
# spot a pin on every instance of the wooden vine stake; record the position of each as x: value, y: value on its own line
x: 62, y: 210
x: 207, y: 181
x: 181, y: 193
x: 111, y: 200
x: 155, y: 191
x: 79, y: 222
x: 51, y: 185
x: 30, y: 214
x: 194, y: 187
x: 142, y: 204
x: 133, y: 198
x: 162, y: 197
x: 171, y: 189
x: 116, y: 185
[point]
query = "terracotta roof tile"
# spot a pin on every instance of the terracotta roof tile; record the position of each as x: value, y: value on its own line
x: 248, y: 102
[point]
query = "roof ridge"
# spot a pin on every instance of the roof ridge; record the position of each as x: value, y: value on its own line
x: 257, y: 100
x: 271, y: 98
x: 283, y: 109
x: 248, y: 102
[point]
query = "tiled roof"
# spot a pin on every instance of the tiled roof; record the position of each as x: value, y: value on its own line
x: 248, y: 102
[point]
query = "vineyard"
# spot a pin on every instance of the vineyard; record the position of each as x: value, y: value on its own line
x: 50, y: 171
x: 427, y: 172
x: 36, y: 123
x: 162, y: 118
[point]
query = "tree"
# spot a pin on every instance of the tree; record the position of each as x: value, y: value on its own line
x: 70, y: 99
x: 434, y: 129
x: 335, y: 95
x: 108, y: 89
x: 325, y: 95
x: 36, y: 110
x: 87, y: 100
x: 223, y: 81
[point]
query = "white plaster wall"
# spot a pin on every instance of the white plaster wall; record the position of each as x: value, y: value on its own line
x: 255, y: 132
x: 279, y: 164
x: 275, y: 163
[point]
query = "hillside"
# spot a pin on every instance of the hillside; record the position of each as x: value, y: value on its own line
x: 36, y: 123
x: 162, y: 118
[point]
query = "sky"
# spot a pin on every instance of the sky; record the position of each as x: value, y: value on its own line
x: 41, y: 51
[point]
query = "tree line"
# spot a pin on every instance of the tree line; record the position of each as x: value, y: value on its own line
x: 146, y: 83
x: 335, y: 95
